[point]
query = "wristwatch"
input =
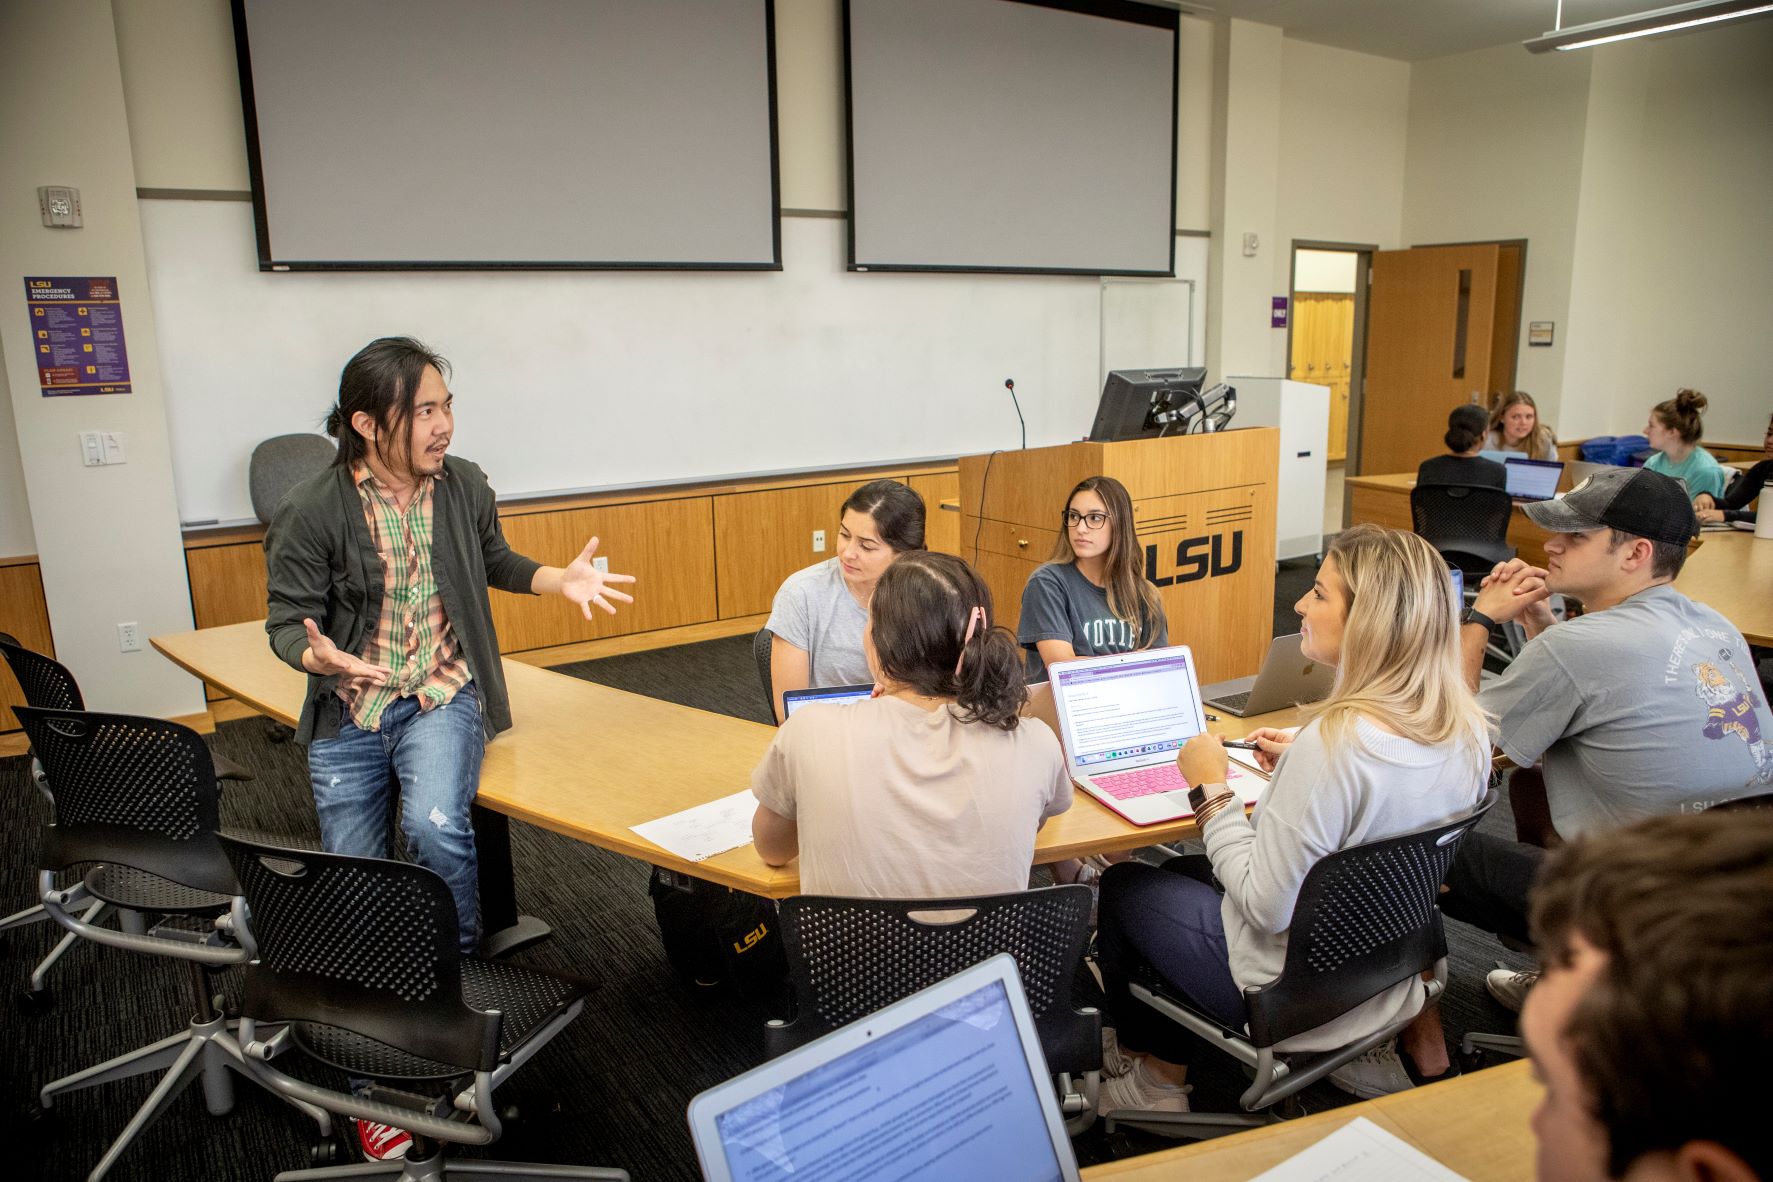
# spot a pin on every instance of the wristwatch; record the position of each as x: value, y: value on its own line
x: 1197, y: 798
x: 1472, y: 615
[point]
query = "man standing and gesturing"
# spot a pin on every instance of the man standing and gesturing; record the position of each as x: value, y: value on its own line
x: 378, y: 571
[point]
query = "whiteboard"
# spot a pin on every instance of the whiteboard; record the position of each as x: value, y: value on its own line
x: 590, y: 380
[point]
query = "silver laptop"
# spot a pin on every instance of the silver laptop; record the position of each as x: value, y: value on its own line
x: 1287, y: 678
x: 793, y: 700
x: 1581, y: 470
x: 949, y: 1083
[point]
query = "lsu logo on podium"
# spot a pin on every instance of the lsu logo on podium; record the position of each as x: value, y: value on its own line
x: 1171, y: 559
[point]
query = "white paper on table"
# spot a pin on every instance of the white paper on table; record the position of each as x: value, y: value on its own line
x: 1248, y: 784
x: 1360, y: 1150
x: 698, y: 834
x: 1238, y: 755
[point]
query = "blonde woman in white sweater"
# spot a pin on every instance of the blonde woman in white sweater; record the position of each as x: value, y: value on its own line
x: 1398, y: 745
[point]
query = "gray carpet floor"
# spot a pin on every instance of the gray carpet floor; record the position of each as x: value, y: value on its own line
x: 609, y: 1091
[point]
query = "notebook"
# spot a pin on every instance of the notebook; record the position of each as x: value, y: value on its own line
x: 948, y: 1085
x: 1122, y: 719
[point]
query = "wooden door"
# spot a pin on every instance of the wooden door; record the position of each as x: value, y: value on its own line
x: 1430, y: 334
x: 1323, y: 353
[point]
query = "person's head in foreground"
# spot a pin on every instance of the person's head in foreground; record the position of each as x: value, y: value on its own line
x: 1652, y: 1026
x: 1617, y: 532
x: 930, y: 633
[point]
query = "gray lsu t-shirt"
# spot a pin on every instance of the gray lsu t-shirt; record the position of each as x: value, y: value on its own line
x: 815, y: 612
x: 1060, y: 604
x: 1651, y: 706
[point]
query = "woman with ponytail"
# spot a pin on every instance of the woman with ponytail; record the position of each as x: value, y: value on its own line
x: 933, y: 787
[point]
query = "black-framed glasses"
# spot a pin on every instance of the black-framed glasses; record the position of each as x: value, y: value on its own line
x: 1090, y: 521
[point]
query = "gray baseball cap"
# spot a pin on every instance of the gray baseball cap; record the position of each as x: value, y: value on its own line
x: 1631, y: 500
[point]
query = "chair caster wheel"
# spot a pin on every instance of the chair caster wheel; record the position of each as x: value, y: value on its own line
x: 510, y: 1114
x: 32, y: 1002
x: 326, y: 1151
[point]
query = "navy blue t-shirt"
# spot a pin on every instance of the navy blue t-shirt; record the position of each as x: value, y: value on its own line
x: 1060, y: 604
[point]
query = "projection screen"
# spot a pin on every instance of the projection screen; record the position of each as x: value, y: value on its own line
x: 1012, y: 135
x: 531, y: 134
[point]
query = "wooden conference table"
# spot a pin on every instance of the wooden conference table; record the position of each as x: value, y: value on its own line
x: 1476, y: 1126
x: 589, y: 762
x: 1730, y: 571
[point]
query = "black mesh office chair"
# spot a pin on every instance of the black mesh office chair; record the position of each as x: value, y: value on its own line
x: 137, y: 797
x: 360, y: 957
x: 1467, y: 523
x: 282, y: 462
x: 50, y: 685
x: 760, y: 652
x: 848, y: 958
x: 1365, y: 920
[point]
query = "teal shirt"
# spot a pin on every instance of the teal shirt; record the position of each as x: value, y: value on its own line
x: 1700, y: 470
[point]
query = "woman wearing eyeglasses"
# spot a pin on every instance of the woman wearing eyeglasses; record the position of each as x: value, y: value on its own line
x: 1092, y: 596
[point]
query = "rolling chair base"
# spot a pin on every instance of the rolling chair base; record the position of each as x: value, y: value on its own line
x: 437, y: 1169
x: 206, y: 1050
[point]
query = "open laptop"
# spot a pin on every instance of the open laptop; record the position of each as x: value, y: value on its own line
x: 1122, y: 718
x: 1287, y: 678
x: 793, y: 700
x: 949, y: 1083
x: 1580, y: 470
x: 1533, y: 480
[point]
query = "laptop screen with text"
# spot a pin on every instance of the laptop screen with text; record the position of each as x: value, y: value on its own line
x: 1533, y: 480
x: 1144, y: 709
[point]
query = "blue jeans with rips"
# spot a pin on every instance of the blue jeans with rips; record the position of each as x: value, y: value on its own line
x: 434, y: 755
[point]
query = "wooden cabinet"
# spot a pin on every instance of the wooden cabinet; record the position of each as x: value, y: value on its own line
x: 24, y: 615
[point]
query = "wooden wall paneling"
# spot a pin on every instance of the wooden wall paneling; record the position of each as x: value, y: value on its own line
x: 1006, y: 576
x: 227, y: 583
x: 668, y: 546
x: 1506, y: 341
x: 760, y: 538
x: 24, y: 613
x: 995, y: 486
x: 941, y: 530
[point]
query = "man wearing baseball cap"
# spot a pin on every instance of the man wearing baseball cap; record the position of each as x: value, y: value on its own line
x: 1648, y: 703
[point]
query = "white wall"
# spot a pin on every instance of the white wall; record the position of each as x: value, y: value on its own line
x: 1495, y: 152
x: 1329, y: 271
x: 182, y: 94
x: 1247, y: 73
x: 1672, y: 280
x: 107, y: 538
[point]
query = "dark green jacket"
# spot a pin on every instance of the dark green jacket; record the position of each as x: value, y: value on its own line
x: 321, y: 564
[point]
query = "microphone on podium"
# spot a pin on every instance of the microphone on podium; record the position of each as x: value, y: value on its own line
x: 1010, y: 385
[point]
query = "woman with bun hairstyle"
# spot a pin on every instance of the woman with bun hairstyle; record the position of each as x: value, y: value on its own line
x: 818, y: 612
x: 933, y: 787
x: 1091, y: 597
x: 1466, y: 426
x: 1674, y: 430
x: 1515, y: 426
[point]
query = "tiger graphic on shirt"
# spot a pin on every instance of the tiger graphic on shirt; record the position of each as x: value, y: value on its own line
x: 1731, y: 700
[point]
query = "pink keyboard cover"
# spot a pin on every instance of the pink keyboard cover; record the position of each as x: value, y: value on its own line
x: 1144, y: 781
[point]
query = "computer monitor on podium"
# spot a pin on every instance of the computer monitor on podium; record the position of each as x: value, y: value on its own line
x: 1147, y: 403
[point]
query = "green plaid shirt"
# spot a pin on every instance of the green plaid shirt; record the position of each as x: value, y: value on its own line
x: 413, y: 636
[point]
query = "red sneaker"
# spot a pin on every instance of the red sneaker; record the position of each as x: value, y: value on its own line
x: 381, y: 1142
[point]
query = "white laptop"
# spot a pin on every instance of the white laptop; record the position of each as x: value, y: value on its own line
x: 1533, y: 480
x: 1287, y: 678
x: 1122, y: 718
x: 948, y: 1084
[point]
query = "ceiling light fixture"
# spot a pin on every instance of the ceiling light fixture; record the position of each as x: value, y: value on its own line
x: 1644, y: 24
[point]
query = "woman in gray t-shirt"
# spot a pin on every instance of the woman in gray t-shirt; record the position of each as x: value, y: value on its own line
x: 819, y: 611
x: 1092, y: 596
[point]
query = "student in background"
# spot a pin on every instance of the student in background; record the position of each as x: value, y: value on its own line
x: 1674, y: 429
x: 934, y: 787
x: 819, y: 612
x: 1466, y: 426
x: 1654, y: 1021
x: 1398, y: 745
x: 1092, y: 596
x: 1733, y: 505
x: 1515, y: 426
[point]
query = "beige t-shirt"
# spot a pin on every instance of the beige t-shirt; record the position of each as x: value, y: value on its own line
x: 897, y: 802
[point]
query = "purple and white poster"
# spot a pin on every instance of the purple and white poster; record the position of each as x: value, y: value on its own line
x: 1277, y: 315
x: 77, y: 326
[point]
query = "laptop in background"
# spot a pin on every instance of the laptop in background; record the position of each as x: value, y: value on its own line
x: 1580, y: 470
x: 948, y: 1084
x: 1533, y: 480
x: 1122, y: 718
x: 1499, y: 456
x: 793, y: 700
x: 1287, y: 678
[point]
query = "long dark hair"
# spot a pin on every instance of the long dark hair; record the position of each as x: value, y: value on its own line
x: 381, y: 381
x: 896, y: 509
x: 1131, y: 597
x: 918, y: 618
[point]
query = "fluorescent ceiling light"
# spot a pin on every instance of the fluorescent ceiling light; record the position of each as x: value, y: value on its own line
x: 1646, y: 24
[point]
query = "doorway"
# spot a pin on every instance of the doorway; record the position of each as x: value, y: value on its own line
x: 1326, y: 346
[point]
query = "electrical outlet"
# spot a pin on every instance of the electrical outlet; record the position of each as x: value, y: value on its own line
x: 600, y: 563
x: 129, y: 637
x: 818, y: 541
